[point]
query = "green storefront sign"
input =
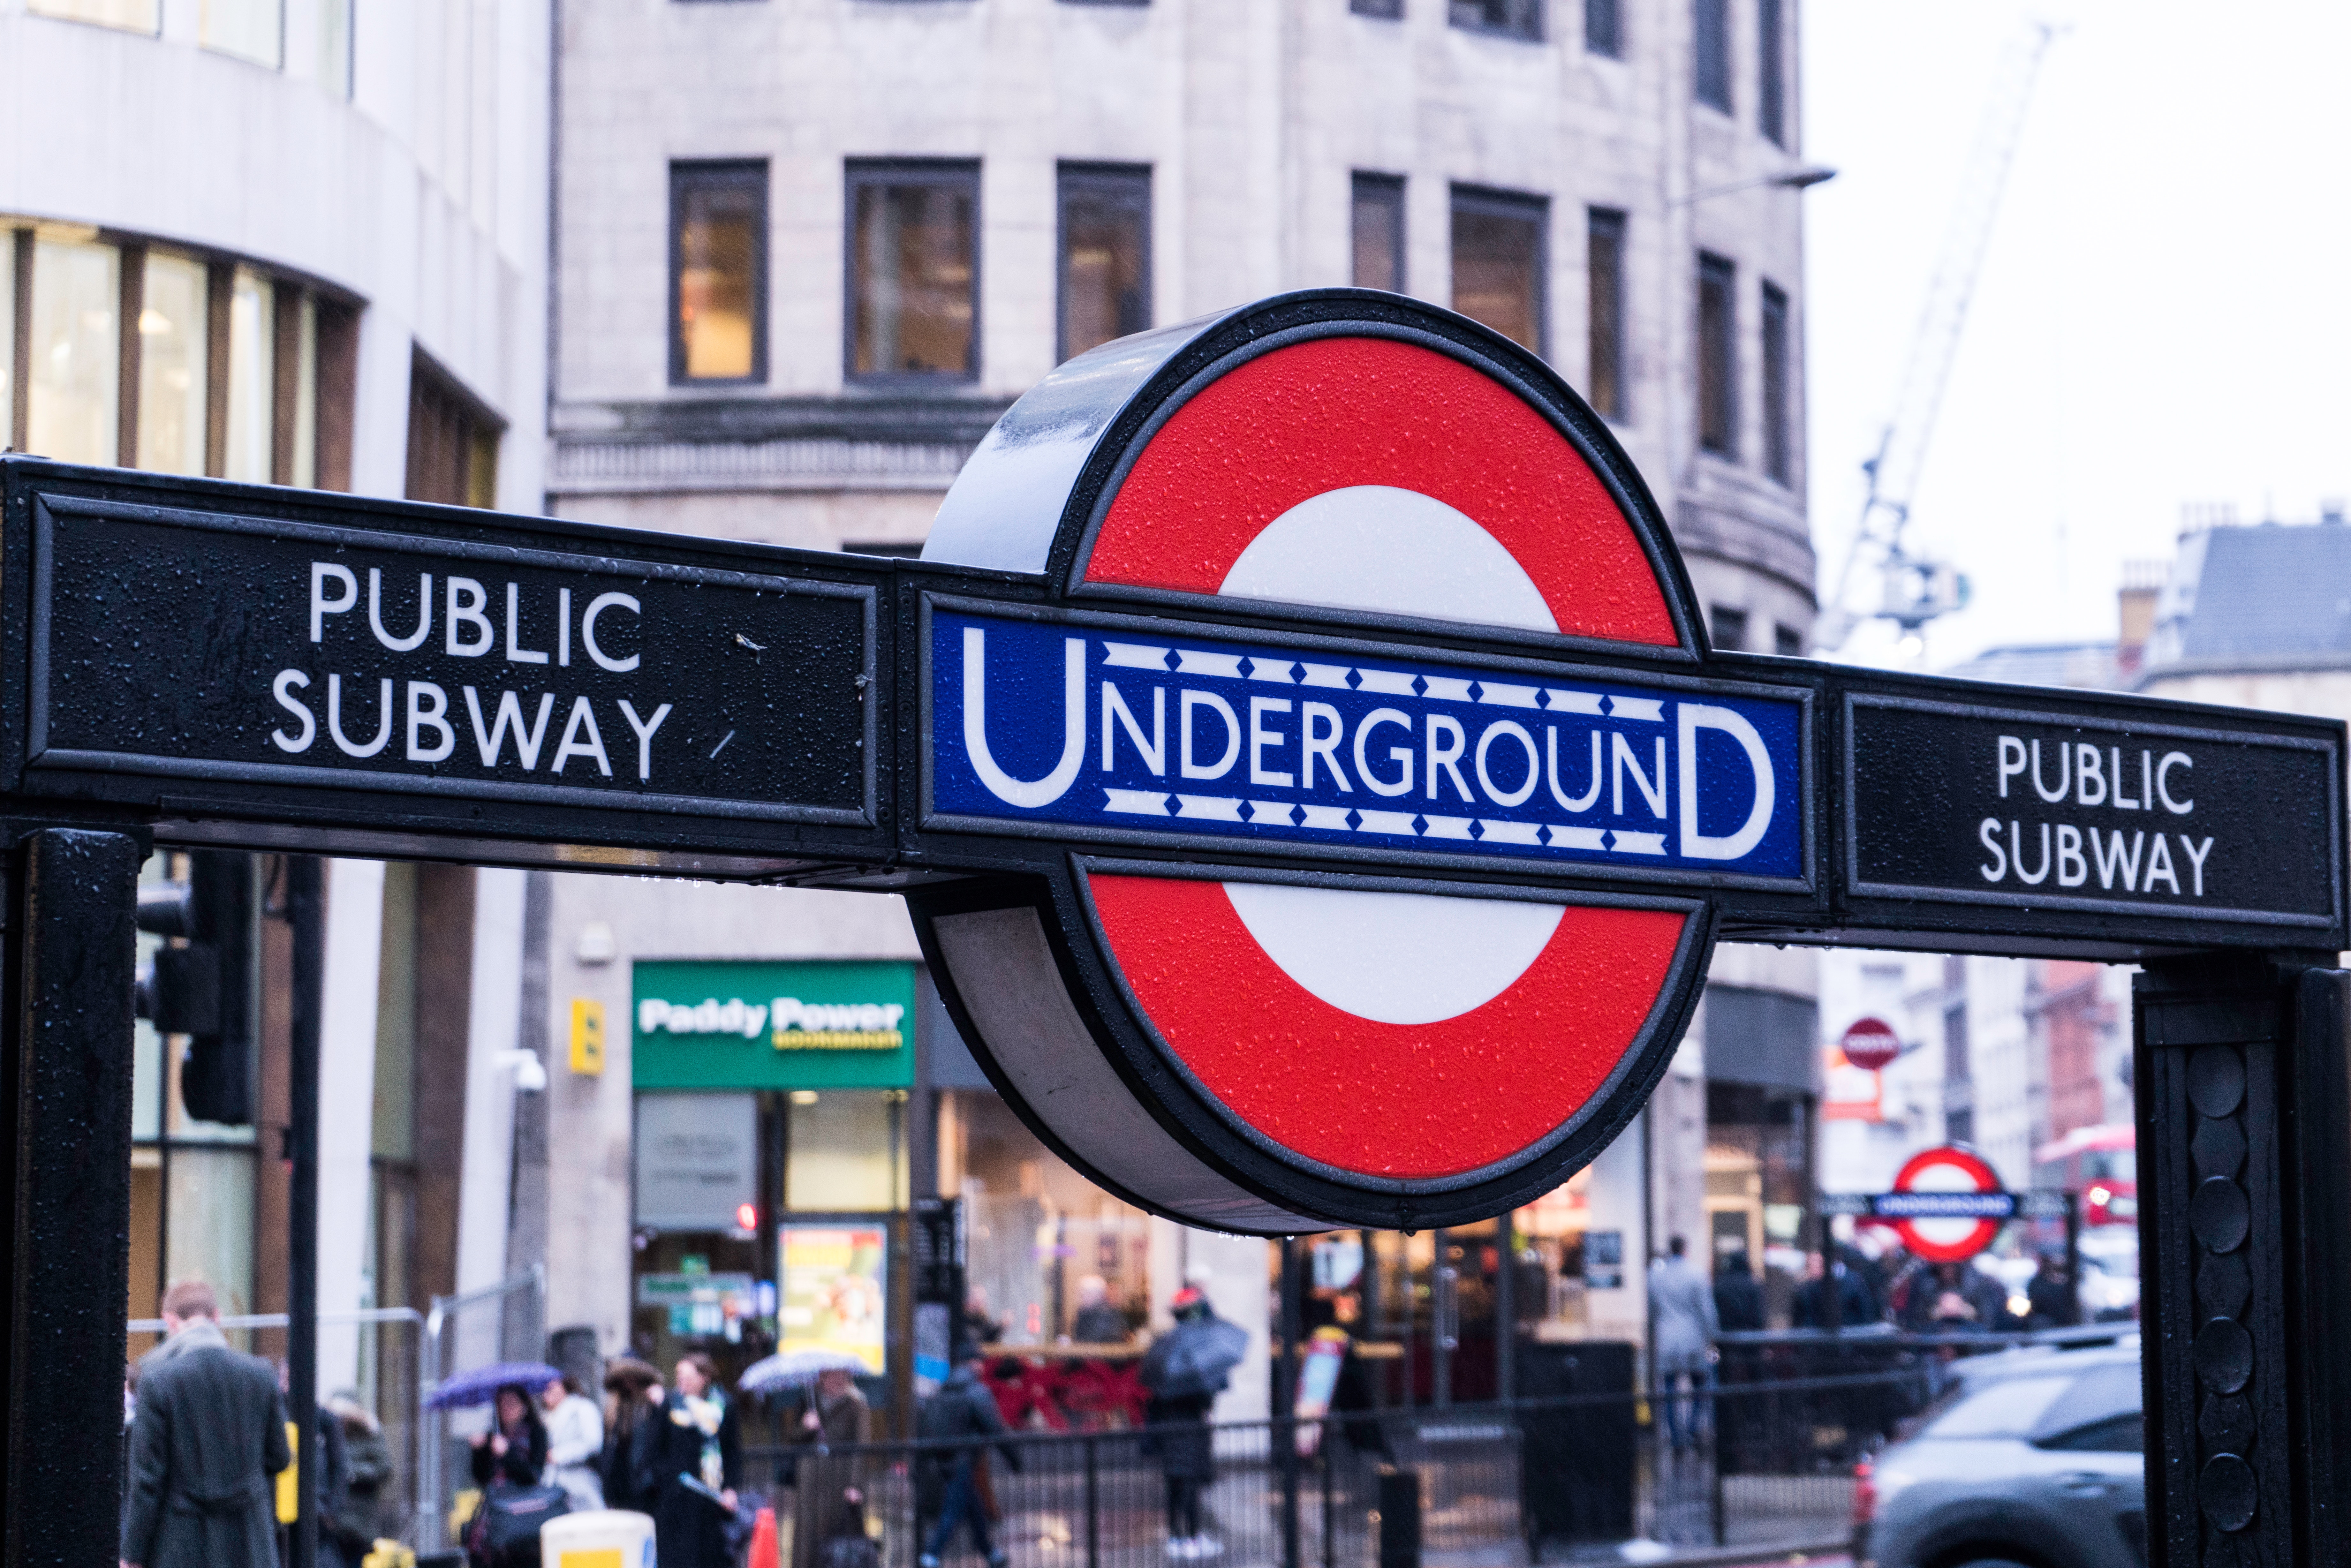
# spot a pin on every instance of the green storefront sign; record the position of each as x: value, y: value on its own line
x: 760, y: 1025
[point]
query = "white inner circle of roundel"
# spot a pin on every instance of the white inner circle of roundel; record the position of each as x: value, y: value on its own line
x: 1378, y: 548
x: 1943, y: 1176
x: 1394, y: 957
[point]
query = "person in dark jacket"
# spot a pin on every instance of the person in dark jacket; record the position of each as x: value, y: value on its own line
x: 830, y: 1489
x: 1738, y: 1298
x: 514, y: 1452
x: 964, y: 1412
x: 1178, y: 1425
x: 632, y: 1411
x: 367, y: 1470
x: 209, y: 1433
x: 695, y: 1448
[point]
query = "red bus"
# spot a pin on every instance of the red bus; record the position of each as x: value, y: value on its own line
x: 2099, y: 1163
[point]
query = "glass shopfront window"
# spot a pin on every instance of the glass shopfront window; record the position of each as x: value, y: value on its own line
x: 75, y: 351
x: 173, y: 367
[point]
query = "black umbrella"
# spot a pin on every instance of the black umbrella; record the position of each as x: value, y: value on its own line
x: 1194, y: 1357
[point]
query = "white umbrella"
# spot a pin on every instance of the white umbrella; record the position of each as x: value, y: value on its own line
x: 795, y: 1369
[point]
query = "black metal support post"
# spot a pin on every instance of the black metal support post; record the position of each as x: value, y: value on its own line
x: 1285, y: 1395
x: 65, y: 1046
x: 306, y: 912
x: 2244, y: 1193
x: 1094, y: 1506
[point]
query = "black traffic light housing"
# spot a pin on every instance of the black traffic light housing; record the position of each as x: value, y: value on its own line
x: 208, y: 986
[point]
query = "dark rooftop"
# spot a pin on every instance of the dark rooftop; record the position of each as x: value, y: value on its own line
x: 2272, y: 596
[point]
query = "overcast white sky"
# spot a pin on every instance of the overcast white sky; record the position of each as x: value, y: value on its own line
x: 2164, y: 313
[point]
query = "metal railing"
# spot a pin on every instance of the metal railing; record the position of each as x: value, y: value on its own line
x: 500, y: 1341
x: 1767, y: 1466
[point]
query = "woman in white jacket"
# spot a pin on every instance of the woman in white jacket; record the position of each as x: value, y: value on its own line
x: 575, y: 1440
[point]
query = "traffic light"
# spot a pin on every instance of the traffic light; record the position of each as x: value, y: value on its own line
x: 206, y: 986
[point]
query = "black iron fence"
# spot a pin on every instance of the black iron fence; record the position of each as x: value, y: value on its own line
x: 1764, y: 1464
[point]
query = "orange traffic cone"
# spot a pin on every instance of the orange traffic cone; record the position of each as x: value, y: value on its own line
x: 764, y: 1551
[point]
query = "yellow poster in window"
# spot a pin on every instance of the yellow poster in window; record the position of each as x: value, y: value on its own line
x: 832, y: 1294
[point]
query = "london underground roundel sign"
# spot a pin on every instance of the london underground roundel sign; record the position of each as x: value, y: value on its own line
x: 1950, y: 1191
x: 1359, y: 778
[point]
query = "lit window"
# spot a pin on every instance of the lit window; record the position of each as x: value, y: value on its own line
x: 74, y: 355
x: 1379, y: 232
x: 130, y: 16
x: 1604, y: 283
x: 174, y: 369
x: 1105, y: 256
x: 718, y: 230
x: 1710, y: 51
x: 252, y: 377
x: 913, y: 271
x: 845, y: 1151
x: 1718, y: 366
x: 304, y: 466
x: 1497, y: 262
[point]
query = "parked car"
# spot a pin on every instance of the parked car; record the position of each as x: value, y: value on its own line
x: 2035, y: 1456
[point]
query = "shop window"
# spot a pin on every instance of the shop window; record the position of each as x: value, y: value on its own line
x: 1604, y: 285
x: 175, y: 367
x: 1511, y: 18
x: 1603, y: 28
x: 1711, y: 52
x: 130, y: 16
x: 844, y: 1151
x: 75, y: 352
x: 1379, y: 232
x: 718, y: 285
x: 1499, y: 263
x: 251, y: 426
x: 1105, y: 218
x: 251, y: 30
x: 1717, y: 365
x: 1778, y: 414
x: 913, y: 271
x: 453, y: 441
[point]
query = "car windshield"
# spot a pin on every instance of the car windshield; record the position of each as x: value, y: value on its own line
x: 2007, y: 1407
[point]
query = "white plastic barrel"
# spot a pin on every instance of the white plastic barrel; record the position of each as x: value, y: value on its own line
x: 610, y: 1538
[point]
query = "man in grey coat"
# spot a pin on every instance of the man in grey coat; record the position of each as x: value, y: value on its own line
x: 1682, y: 1330
x: 209, y: 1433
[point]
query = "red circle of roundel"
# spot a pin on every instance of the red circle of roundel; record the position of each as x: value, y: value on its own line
x: 1391, y: 1101
x: 1335, y: 413
x: 1979, y: 1235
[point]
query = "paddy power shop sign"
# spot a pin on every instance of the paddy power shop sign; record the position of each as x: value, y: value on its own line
x: 773, y: 1025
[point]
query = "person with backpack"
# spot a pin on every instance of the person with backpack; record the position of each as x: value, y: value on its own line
x: 506, y: 1463
x: 829, y: 1530
x: 946, y: 1489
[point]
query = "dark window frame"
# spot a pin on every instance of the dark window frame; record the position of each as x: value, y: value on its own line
x: 1517, y: 204
x: 1604, y: 228
x: 860, y: 172
x: 1710, y: 53
x: 1727, y: 626
x: 1378, y: 10
x: 1604, y: 28
x: 1779, y: 388
x: 1122, y: 179
x: 1365, y: 188
x: 749, y: 174
x: 1527, y: 28
x: 1771, y: 71
x: 1786, y: 641
x: 1717, y: 358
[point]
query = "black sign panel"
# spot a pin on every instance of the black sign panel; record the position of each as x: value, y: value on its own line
x: 219, y: 647
x: 2114, y: 812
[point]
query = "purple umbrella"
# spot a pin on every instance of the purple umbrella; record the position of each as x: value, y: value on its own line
x: 481, y: 1385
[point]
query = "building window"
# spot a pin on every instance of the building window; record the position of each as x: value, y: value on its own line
x: 1499, y: 263
x: 12, y: 421
x: 1778, y: 460
x: 1710, y: 51
x: 1105, y: 216
x: 251, y: 30
x: 130, y: 16
x: 1786, y: 641
x: 913, y: 271
x: 1729, y: 627
x: 1717, y: 363
x: 252, y: 420
x: 175, y: 365
x: 1379, y: 232
x: 718, y: 275
x: 74, y: 369
x: 452, y: 440
x: 1388, y: 10
x: 1771, y: 96
x: 1604, y: 28
x: 1511, y: 18
x: 1604, y: 278
x: 334, y: 37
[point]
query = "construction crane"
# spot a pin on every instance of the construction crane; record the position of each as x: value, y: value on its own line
x: 1914, y: 588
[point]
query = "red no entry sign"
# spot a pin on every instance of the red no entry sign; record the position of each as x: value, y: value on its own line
x: 1871, y: 1043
